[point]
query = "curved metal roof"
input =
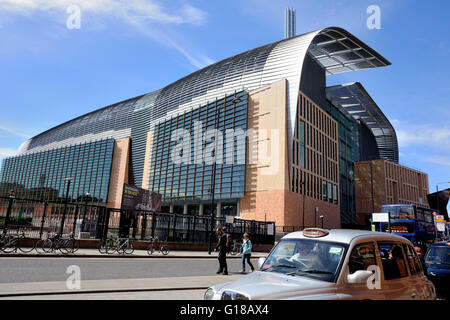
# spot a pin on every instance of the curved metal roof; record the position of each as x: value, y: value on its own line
x: 355, y: 100
x: 335, y: 49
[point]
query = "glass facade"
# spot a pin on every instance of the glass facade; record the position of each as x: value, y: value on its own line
x: 347, y: 146
x: 192, y: 180
x: 41, y: 175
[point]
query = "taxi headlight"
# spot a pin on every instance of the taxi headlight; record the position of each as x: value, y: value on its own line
x: 209, y: 294
x: 231, y: 295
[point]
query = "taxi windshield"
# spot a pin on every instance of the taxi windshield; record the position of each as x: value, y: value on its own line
x: 439, y: 255
x: 306, y: 257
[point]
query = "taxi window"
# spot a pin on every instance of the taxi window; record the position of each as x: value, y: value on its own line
x: 363, y: 256
x: 286, y: 249
x: 413, y: 262
x: 393, y: 260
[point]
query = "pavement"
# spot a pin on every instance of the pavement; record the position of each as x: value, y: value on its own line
x: 146, y: 288
x: 184, y: 276
x: 94, y: 253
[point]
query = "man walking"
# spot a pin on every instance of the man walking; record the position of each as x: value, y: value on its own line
x: 222, y: 248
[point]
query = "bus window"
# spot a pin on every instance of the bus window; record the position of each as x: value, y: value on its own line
x: 399, y: 212
x: 406, y: 213
x: 428, y: 217
x: 420, y: 215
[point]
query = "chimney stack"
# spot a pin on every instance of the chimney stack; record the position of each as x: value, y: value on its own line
x: 289, y: 23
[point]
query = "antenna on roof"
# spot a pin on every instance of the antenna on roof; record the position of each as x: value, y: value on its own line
x: 289, y: 23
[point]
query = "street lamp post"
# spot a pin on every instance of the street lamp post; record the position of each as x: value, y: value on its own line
x: 437, y: 204
x: 61, y: 228
x: 8, y: 211
x: 316, y: 209
x: 86, y: 196
x: 302, y: 183
x: 437, y: 193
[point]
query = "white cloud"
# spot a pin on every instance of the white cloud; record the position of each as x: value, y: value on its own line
x: 143, y: 14
x: 7, y: 152
x: 439, y: 160
x: 15, y: 132
x: 155, y: 34
x: 432, y: 135
x: 148, y: 9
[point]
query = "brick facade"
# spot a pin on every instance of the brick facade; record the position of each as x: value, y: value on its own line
x: 380, y: 182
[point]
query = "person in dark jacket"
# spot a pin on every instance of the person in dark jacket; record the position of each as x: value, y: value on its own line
x: 222, y: 249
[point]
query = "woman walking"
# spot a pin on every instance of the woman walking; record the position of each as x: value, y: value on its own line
x: 246, y: 251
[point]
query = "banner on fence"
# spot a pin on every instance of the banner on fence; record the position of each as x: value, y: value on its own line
x: 135, y: 198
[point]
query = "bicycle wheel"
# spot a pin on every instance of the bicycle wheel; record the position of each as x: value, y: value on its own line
x: 62, y: 246
x: 165, y: 249
x: 150, y: 249
x: 71, y: 245
x: 47, y: 246
x: 102, y: 247
x: 39, y: 246
x: 24, y: 245
x: 10, y: 245
x: 111, y: 247
x: 128, y: 248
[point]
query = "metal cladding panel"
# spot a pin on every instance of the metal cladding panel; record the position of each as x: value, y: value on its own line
x: 355, y: 101
x: 334, y: 49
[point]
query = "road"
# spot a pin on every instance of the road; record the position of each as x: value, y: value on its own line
x: 20, y: 270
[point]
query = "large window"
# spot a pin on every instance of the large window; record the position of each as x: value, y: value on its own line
x: 413, y: 260
x: 88, y: 165
x: 362, y: 257
x: 193, y: 178
x: 302, y: 144
x: 393, y: 260
x: 306, y: 258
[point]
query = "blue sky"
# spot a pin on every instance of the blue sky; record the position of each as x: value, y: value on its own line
x: 50, y: 74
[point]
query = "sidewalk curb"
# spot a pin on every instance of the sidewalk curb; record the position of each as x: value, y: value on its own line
x: 105, y: 256
x: 94, y: 291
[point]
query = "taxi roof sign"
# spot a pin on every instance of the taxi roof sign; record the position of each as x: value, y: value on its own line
x: 315, y: 232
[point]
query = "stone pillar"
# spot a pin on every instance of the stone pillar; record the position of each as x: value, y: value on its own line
x: 185, y: 209
x: 200, y: 209
x: 171, y: 209
x: 238, y: 207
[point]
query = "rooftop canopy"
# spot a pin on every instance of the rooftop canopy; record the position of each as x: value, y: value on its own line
x: 355, y: 100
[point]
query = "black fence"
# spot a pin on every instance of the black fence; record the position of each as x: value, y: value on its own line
x: 42, y: 217
x: 89, y: 221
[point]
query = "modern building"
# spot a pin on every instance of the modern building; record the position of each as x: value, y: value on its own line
x: 380, y: 182
x: 364, y: 134
x: 282, y: 143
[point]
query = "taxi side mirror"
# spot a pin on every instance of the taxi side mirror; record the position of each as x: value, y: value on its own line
x: 359, y: 277
x: 261, y: 262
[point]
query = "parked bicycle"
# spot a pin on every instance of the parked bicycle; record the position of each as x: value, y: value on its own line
x: 12, y: 242
x: 5, y: 240
x: 57, y: 242
x: 71, y: 245
x: 109, y: 242
x: 157, y: 245
x: 120, y: 245
x: 235, y: 248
